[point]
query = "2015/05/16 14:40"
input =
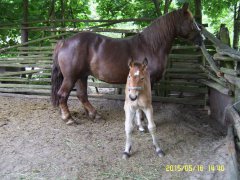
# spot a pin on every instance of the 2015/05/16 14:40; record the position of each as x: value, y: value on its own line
x: 194, y: 168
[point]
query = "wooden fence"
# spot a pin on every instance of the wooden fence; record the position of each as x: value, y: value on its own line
x: 26, y: 69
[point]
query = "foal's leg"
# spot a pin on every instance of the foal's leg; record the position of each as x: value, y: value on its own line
x: 81, y: 86
x: 152, y: 129
x: 140, y: 118
x: 129, y: 117
x: 63, y: 94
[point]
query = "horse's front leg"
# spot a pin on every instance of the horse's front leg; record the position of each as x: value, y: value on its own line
x: 81, y: 86
x: 129, y: 117
x: 152, y: 129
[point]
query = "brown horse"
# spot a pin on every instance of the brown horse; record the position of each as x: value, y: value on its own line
x: 107, y: 59
x: 138, y: 96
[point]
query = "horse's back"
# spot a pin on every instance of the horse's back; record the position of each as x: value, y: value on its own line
x: 88, y: 53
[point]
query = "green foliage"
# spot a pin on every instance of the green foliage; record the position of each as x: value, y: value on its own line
x: 110, y: 9
x: 12, y: 14
x: 215, y: 12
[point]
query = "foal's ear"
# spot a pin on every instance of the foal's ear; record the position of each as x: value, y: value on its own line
x: 130, y: 62
x: 145, y: 63
x: 185, y: 7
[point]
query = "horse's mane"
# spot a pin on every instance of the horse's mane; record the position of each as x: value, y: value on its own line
x: 162, y: 30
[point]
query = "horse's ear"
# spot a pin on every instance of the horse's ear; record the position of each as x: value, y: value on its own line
x: 130, y: 62
x: 185, y: 7
x: 145, y: 62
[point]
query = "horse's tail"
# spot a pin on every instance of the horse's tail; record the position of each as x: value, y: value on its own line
x: 57, y: 77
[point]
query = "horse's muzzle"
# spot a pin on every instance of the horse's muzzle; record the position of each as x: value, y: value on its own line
x: 133, y: 98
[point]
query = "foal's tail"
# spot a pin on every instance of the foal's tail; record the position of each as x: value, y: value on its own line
x: 57, y: 77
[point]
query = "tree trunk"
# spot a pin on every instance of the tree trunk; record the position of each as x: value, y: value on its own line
x: 51, y: 12
x: 167, y: 5
x: 51, y: 15
x: 24, y: 32
x: 236, y: 30
x: 157, y: 7
x: 198, y: 11
x: 72, y: 15
x: 63, y: 12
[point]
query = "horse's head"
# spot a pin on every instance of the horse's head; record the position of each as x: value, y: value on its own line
x: 188, y: 28
x: 136, y: 77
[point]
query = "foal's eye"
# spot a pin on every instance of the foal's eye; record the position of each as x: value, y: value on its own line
x: 129, y: 77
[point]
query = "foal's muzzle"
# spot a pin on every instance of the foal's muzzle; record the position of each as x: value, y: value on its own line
x: 133, y: 98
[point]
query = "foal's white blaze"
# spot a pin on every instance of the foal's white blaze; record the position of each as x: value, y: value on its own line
x: 137, y: 73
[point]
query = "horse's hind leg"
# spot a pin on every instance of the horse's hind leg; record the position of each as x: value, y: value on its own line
x: 63, y: 93
x: 152, y: 129
x: 81, y: 86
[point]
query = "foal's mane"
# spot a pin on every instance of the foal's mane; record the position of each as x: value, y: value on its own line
x: 162, y: 30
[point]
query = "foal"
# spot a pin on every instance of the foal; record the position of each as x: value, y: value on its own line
x: 138, y: 97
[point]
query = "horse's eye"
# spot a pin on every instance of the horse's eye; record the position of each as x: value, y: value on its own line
x: 129, y: 77
x: 142, y: 79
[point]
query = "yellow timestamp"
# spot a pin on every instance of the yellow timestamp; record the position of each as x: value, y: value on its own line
x: 194, y: 168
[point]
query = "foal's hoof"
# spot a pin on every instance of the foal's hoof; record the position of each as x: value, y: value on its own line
x: 70, y: 122
x: 126, y: 155
x: 160, y: 153
x: 141, y: 129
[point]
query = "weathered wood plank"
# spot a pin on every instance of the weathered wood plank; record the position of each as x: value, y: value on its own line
x: 217, y: 87
x: 25, y: 90
x: 182, y: 88
x: 30, y: 52
x: 25, y: 61
x: 183, y: 70
x: 26, y: 65
x: 219, y: 80
x: 210, y: 60
x: 221, y: 48
x: 185, y: 56
x: 25, y: 80
x: 233, y: 79
x: 33, y: 41
x: 232, y: 165
x: 186, y: 76
x: 19, y: 73
x: 229, y: 71
x: 21, y: 58
x: 26, y: 86
x: 176, y: 47
x: 36, y: 48
x: 105, y: 85
x: 218, y: 57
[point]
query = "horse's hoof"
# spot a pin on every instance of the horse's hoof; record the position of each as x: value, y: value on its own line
x: 70, y: 122
x: 98, y: 117
x: 94, y: 116
x: 160, y: 153
x: 126, y: 155
x: 141, y: 129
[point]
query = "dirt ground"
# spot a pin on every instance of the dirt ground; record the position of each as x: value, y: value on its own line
x: 36, y: 144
